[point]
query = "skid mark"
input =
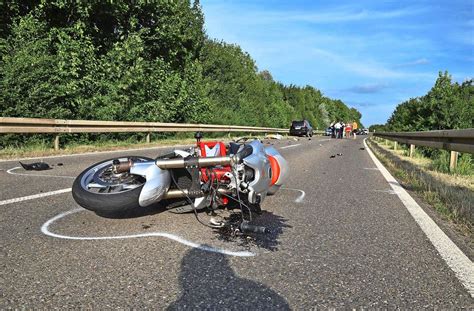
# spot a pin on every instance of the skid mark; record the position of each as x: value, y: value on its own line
x: 45, y: 230
x: 11, y: 172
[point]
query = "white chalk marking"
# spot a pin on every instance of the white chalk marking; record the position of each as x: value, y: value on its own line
x: 45, y: 230
x: 10, y: 171
x: 291, y: 146
x: 462, y: 266
x: 371, y: 168
x: 300, y: 198
x: 34, y: 196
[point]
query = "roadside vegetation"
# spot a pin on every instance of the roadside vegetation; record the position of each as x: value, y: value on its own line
x: 450, y: 194
x: 138, y: 61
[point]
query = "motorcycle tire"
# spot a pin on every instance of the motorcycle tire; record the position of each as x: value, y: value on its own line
x: 106, y: 203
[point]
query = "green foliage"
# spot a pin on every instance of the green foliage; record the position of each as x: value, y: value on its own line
x: 139, y: 61
x: 446, y: 106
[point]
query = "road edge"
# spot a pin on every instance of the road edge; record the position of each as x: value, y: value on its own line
x: 456, y: 260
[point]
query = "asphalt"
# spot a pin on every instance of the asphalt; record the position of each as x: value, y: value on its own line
x: 349, y: 243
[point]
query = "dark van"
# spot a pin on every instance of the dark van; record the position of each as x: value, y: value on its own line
x: 301, y: 128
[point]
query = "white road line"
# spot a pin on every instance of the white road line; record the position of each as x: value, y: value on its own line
x: 34, y: 196
x: 10, y: 171
x: 371, y: 168
x: 291, y: 146
x: 462, y: 266
x: 45, y: 230
x: 93, y: 153
x: 300, y: 198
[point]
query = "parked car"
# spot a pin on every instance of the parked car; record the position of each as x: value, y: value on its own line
x: 301, y: 128
x: 363, y: 132
x: 328, y: 132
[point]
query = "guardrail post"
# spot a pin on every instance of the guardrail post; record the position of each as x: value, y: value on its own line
x: 395, y: 146
x: 412, y: 150
x: 453, y: 161
x: 56, y: 142
x: 148, y: 138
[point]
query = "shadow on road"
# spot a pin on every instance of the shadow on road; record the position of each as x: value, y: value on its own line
x: 268, y: 241
x: 209, y: 283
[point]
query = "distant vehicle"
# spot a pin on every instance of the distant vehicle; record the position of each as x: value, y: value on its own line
x: 328, y: 132
x: 364, y: 132
x: 301, y: 128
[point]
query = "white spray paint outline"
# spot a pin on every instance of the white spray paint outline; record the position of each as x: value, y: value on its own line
x: 45, y: 230
x: 10, y: 171
x: 300, y: 198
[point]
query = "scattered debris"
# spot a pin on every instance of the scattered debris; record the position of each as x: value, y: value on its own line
x: 146, y: 226
x: 339, y: 154
x: 274, y: 136
x: 59, y: 164
x: 38, y: 166
x: 333, y: 156
x: 361, y: 148
x: 295, y: 139
x: 309, y: 138
x: 320, y: 145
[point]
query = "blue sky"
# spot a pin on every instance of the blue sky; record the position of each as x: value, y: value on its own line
x: 371, y: 54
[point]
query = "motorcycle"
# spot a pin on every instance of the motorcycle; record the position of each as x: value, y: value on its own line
x: 208, y: 176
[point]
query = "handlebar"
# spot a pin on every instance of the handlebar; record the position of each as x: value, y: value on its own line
x: 245, y: 227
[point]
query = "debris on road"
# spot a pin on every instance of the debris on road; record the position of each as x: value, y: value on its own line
x: 274, y: 136
x: 37, y: 166
x: 362, y: 148
x: 59, y: 164
x: 333, y: 156
x: 339, y: 154
x: 295, y: 139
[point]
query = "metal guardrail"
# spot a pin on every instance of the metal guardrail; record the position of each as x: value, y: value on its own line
x: 31, y: 125
x: 56, y: 126
x: 452, y: 140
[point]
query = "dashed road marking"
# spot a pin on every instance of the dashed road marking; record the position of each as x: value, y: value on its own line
x: 291, y: 146
x: 34, y: 196
x: 462, y: 266
x: 45, y: 230
x: 10, y: 171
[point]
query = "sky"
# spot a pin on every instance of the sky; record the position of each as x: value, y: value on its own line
x: 372, y: 55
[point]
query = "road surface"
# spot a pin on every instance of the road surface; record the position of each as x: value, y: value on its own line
x: 341, y: 238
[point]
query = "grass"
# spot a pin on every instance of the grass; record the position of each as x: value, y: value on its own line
x: 450, y: 194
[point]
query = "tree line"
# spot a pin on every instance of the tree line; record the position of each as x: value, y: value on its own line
x: 140, y: 61
x: 446, y: 106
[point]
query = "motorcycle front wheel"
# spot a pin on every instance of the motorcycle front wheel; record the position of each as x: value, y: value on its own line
x: 100, y: 190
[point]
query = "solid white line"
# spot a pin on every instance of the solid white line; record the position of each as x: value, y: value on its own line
x: 462, y: 266
x: 34, y: 196
x: 45, y: 230
x: 291, y: 146
x: 300, y: 198
x: 10, y: 171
